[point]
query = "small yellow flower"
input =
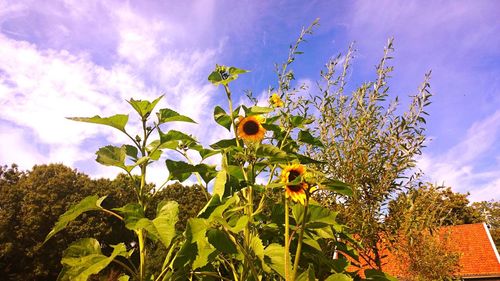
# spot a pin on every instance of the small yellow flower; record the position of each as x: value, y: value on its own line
x: 250, y: 129
x: 276, y: 101
x: 296, y: 191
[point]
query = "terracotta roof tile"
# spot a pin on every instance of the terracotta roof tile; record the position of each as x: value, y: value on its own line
x: 478, y: 254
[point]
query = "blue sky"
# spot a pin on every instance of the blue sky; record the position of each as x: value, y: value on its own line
x: 81, y: 58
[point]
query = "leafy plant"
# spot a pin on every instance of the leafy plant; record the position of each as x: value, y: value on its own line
x: 260, y: 222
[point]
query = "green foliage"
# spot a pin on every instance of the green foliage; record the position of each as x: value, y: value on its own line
x: 90, y: 203
x: 118, y: 121
x: 415, y: 218
x: 33, y: 200
x: 489, y: 212
x: 22, y: 256
x: 240, y: 233
x: 367, y: 144
x: 223, y: 75
x: 84, y: 258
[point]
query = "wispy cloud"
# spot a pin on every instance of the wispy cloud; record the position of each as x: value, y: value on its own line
x: 463, y: 166
x: 42, y: 82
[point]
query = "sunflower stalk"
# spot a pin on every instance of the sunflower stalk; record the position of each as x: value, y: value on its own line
x: 298, y: 252
x: 287, y: 240
x: 230, y: 105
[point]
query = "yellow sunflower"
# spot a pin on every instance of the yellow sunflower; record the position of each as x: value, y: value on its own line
x: 296, y: 191
x: 276, y: 101
x: 250, y: 129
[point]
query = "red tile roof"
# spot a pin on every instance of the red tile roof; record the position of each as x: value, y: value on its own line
x: 478, y: 254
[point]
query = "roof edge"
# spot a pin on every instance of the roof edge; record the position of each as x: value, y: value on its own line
x: 491, y: 241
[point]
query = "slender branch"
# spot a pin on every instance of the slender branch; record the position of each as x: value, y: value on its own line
x: 142, y: 255
x: 299, y: 245
x: 127, y: 268
x: 208, y: 273
x: 137, y: 144
x: 287, y: 242
x: 112, y: 213
x: 230, y: 101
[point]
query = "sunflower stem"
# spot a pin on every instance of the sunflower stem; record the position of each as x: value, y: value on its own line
x: 230, y: 101
x: 299, y: 245
x: 287, y: 242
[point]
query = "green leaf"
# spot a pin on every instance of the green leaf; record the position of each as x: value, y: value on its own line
x: 206, y: 253
x: 132, y: 213
x: 306, y: 137
x: 205, y: 153
x: 339, y: 277
x: 235, y: 171
x: 181, y: 171
x: 337, y: 186
x: 168, y: 115
x: 257, y: 247
x: 144, y: 107
x: 162, y: 227
x: 84, y: 258
x: 224, y: 74
x: 274, y: 256
x: 131, y: 151
x: 240, y: 224
x: 123, y: 278
x: 220, y: 183
x: 222, y: 118
x: 307, y: 275
x: 166, y: 218
x: 186, y: 253
x: 373, y: 274
x: 319, y: 216
x: 196, y: 232
x: 172, y: 138
x: 258, y: 110
x: 300, y: 121
x: 90, y: 203
x: 210, y: 206
x: 274, y: 154
x: 155, y: 155
x: 223, y: 144
x: 220, y: 240
x: 307, y: 160
x: 219, y: 210
x: 112, y: 156
x: 117, y: 121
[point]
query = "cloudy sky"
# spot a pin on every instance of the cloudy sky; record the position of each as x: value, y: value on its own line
x: 81, y: 58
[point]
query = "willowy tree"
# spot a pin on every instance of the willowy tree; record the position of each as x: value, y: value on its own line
x: 417, y: 240
x: 489, y: 212
x: 241, y: 233
x: 367, y: 144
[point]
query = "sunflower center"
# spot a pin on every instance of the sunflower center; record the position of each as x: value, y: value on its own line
x: 251, y: 128
x: 291, y: 177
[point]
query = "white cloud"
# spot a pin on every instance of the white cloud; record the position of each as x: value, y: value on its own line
x: 39, y: 86
x: 17, y: 147
x: 458, y: 166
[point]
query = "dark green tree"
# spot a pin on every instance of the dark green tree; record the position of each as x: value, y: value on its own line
x: 32, y: 202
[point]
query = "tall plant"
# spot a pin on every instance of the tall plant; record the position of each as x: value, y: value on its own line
x: 260, y: 222
x: 369, y: 145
